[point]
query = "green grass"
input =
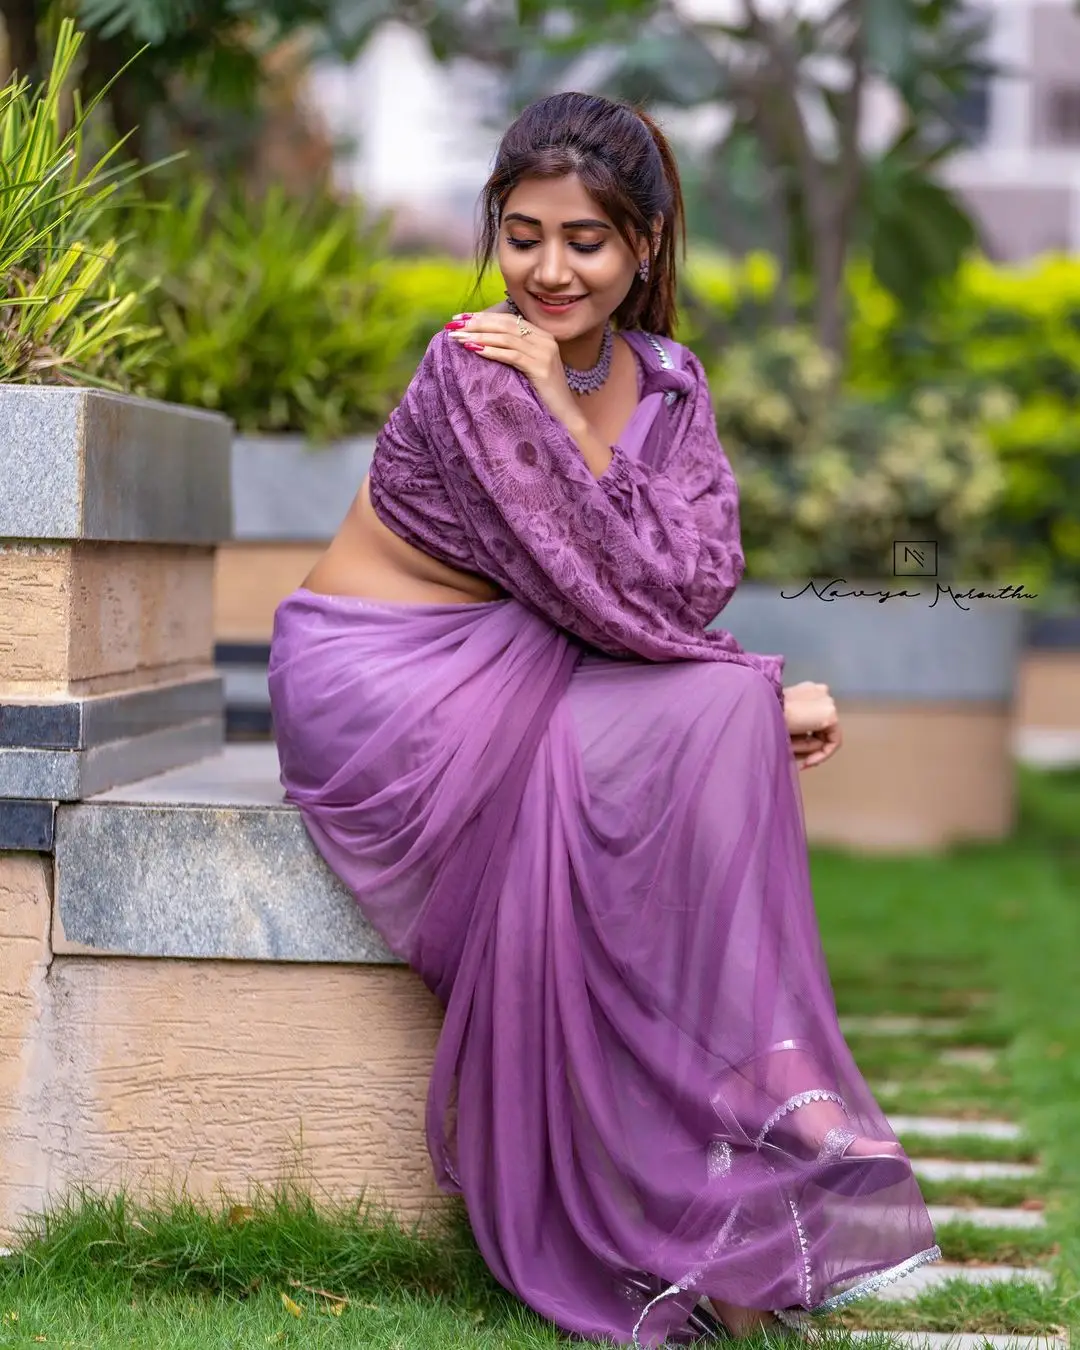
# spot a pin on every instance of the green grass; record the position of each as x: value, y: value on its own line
x: 995, y: 1246
x: 987, y: 936
x: 1020, y: 1308
x: 970, y: 1148
x: 992, y: 1192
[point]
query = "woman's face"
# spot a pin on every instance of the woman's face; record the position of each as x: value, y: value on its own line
x: 555, y: 242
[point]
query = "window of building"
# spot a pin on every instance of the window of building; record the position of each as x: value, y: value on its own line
x: 1063, y: 114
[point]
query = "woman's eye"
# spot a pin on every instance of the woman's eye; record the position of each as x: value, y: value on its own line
x: 528, y: 243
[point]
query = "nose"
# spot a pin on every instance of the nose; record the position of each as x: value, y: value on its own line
x: 553, y: 272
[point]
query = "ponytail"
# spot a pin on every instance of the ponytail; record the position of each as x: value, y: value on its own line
x: 653, y: 305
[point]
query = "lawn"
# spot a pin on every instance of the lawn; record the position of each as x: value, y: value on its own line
x: 984, y: 942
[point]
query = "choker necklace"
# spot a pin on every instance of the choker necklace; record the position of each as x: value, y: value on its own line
x: 585, y: 381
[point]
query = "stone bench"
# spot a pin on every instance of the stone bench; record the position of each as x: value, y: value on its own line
x: 186, y: 995
x: 190, y: 995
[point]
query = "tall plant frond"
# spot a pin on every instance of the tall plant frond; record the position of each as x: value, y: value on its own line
x: 65, y: 303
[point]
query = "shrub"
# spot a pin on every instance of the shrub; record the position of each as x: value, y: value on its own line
x: 67, y: 297
x: 288, y: 316
x: 1018, y: 328
x: 828, y: 484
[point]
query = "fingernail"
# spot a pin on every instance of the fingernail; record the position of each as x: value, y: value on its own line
x: 473, y: 346
x: 455, y: 323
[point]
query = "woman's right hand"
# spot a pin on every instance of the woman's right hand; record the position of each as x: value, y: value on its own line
x: 812, y: 722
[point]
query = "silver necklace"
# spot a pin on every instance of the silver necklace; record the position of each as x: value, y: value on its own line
x: 585, y: 381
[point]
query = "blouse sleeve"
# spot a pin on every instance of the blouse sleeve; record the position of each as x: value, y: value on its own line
x: 692, y: 501
x: 618, y: 577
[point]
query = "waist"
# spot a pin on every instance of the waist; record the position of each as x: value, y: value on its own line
x: 368, y: 560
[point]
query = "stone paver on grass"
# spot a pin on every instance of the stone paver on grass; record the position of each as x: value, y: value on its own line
x: 985, y: 1217
x: 948, y: 1340
x: 940, y: 1272
x: 899, y: 1026
x: 953, y: 1169
x: 944, y: 1127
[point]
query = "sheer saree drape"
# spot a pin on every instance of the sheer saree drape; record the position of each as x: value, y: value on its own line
x: 599, y: 866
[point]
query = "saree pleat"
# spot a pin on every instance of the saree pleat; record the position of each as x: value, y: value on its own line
x: 599, y: 865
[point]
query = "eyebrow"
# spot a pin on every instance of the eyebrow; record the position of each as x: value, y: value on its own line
x: 567, y: 224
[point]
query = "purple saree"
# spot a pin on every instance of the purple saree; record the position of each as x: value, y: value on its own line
x: 575, y: 813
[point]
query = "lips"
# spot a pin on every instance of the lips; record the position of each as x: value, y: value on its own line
x: 557, y: 305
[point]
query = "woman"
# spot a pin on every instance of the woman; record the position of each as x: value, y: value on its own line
x: 571, y: 807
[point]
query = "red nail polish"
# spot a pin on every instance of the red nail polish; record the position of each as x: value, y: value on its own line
x: 473, y: 346
x: 455, y: 323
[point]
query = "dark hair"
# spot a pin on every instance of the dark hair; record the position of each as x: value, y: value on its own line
x: 624, y: 162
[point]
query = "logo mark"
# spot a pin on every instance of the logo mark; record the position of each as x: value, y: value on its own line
x: 914, y: 558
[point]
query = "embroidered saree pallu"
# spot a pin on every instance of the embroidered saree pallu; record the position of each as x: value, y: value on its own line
x: 575, y: 813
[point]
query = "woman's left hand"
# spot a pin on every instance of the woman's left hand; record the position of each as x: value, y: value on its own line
x: 536, y: 355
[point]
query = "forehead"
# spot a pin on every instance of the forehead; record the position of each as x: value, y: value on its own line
x: 553, y: 200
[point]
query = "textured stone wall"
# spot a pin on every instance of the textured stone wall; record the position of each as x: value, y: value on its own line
x: 26, y: 1075
x: 93, y: 618
x: 213, y: 1074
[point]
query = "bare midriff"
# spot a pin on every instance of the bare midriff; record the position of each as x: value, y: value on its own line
x: 367, y: 559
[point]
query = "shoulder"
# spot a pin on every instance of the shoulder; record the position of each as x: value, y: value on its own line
x: 451, y: 369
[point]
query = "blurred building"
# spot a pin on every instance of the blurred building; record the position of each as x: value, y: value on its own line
x: 1022, y: 172
x: 423, y: 134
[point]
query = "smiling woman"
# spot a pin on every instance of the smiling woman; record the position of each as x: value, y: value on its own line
x: 573, y: 810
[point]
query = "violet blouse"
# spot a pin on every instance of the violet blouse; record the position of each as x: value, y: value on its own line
x: 472, y: 469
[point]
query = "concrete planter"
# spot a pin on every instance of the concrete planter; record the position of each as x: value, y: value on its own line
x: 288, y: 500
x: 110, y: 510
x: 1048, y: 709
x: 926, y: 693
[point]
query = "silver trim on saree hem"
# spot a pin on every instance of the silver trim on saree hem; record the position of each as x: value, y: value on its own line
x: 874, y: 1282
x: 804, y: 1249
x: 793, y: 1104
x: 796, y: 1318
x: 668, y: 1292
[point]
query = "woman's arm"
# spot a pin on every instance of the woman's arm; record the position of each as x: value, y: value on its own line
x: 692, y: 498
x: 544, y: 527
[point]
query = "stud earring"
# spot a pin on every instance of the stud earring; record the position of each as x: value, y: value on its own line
x: 643, y: 269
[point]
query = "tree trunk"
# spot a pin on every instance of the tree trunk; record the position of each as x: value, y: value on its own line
x: 104, y: 58
x: 20, y: 22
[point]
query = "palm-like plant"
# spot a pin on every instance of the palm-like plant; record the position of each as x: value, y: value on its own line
x: 66, y: 309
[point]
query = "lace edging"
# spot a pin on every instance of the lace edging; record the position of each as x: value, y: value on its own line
x: 878, y: 1281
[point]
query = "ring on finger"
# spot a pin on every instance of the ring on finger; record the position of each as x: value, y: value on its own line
x: 523, y: 328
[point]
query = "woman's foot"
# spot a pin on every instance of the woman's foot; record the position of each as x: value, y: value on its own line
x: 815, y: 1126
x: 742, y: 1321
x: 817, y: 1122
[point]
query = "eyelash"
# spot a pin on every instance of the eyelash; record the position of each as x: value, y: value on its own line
x: 528, y: 243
